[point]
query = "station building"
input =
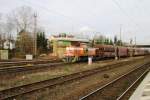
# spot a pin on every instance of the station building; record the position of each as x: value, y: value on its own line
x: 58, y: 44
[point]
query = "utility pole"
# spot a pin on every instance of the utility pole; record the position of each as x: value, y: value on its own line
x: 0, y: 41
x: 35, y: 35
x: 135, y: 41
x: 72, y: 29
x: 131, y: 46
x: 120, y: 33
x: 115, y: 45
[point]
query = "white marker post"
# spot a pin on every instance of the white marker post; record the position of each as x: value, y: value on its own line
x: 29, y: 57
x: 89, y: 60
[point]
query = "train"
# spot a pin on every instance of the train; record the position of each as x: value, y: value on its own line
x: 101, y: 51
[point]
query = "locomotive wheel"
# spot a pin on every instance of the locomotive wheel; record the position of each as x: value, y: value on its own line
x: 75, y: 59
x: 66, y: 59
x: 70, y: 59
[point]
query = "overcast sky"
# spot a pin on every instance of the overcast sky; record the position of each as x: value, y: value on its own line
x: 92, y: 16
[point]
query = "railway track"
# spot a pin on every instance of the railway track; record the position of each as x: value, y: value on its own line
x: 30, y: 67
x: 127, y: 92
x: 116, y: 90
x: 23, y: 68
x: 24, y: 62
x: 25, y: 89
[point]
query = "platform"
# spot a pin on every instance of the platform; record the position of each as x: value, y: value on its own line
x: 143, y: 90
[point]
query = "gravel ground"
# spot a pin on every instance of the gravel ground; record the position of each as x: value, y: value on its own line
x: 76, y: 89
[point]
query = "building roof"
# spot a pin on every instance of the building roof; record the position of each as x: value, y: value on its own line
x: 70, y: 39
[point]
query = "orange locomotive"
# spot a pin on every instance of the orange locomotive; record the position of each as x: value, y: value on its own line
x: 74, y: 54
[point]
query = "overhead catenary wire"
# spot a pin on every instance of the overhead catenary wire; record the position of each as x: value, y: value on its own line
x: 125, y: 13
x: 143, y: 6
x: 50, y: 11
x: 74, y: 21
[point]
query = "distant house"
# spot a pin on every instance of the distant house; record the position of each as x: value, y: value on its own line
x: 9, y: 44
x: 5, y: 46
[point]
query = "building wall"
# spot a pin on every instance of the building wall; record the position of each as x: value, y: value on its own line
x: 3, y: 54
x: 59, y: 47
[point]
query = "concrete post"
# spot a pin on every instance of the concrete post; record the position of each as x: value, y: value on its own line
x: 89, y: 60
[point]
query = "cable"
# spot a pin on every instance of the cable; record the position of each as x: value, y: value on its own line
x: 141, y: 3
x: 124, y: 12
x: 92, y: 14
x: 53, y: 12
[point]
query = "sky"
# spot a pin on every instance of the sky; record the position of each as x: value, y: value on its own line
x: 89, y: 17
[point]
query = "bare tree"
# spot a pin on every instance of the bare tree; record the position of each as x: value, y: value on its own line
x: 2, y: 35
x: 24, y: 43
x: 0, y: 27
x: 22, y: 18
x: 1, y: 24
x: 9, y: 26
x: 1, y: 45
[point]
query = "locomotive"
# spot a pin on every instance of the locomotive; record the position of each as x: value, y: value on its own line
x: 101, y: 51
